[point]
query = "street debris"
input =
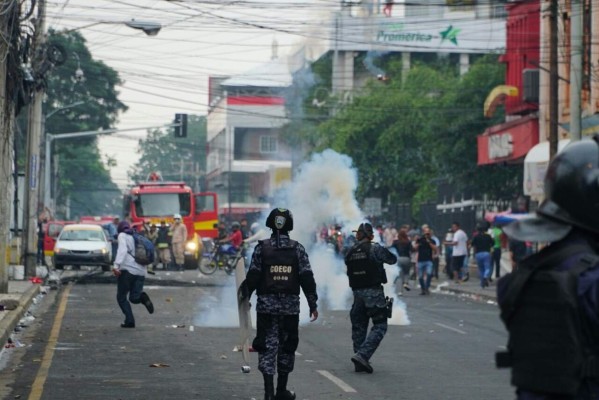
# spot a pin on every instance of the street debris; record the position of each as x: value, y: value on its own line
x: 159, y: 365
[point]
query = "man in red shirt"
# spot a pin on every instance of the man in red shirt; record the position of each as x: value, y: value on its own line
x: 235, y: 238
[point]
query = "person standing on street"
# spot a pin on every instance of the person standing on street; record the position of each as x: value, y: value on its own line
x: 279, y: 267
x: 550, y: 303
x: 403, y: 246
x: 366, y: 274
x: 459, y: 243
x: 112, y: 230
x: 152, y: 235
x: 130, y: 276
x: 496, y: 233
x: 178, y: 239
x: 482, y: 244
x: 163, y: 244
x: 426, y: 248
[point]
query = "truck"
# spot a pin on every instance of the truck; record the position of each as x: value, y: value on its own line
x: 155, y: 201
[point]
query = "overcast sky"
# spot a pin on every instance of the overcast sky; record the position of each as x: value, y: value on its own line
x: 168, y: 73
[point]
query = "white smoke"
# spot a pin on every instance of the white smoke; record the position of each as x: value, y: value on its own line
x: 322, y: 192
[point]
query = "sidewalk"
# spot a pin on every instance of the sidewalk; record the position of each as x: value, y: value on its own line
x: 16, y: 302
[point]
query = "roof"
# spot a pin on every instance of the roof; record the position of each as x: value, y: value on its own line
x: 272, y: 74
x: 81, y: 227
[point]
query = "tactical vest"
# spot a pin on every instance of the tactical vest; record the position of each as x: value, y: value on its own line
x: 362, y: 271
x: 280, y: 269
x: 549, y: 346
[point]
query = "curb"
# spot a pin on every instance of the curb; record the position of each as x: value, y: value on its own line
x: 8, y: 324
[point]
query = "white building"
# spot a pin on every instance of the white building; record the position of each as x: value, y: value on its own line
x: 246, y: 158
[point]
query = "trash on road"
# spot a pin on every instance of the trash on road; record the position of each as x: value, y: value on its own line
x: 159, y: 365
x: 169, y: 299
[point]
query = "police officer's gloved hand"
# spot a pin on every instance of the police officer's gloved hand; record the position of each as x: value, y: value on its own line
x: 244, y: 291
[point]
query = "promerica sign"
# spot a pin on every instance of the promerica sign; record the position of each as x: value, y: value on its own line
x: 420, y: 35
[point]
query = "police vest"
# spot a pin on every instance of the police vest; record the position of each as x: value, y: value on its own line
x: 362, y: 271
x: 549, y: 346
x: 280, y: 269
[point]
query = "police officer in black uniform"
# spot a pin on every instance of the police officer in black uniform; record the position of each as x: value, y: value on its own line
x: 366, y: 274
x: 279, y: 267
x: 550, y: 303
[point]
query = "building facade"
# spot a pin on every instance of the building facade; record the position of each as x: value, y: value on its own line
x: 246, y: 159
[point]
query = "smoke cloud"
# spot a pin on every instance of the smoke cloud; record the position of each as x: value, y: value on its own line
x: 322, y: 192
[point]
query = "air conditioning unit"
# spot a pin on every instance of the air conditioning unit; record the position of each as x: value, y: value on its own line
x: 530, y: 85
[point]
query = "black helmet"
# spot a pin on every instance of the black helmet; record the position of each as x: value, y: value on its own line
x: 571, y: 195
x: 235, y: 224
x: 572, y: 186
x: 280, y: 219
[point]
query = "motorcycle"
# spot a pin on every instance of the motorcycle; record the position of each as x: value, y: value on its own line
x: 220, y: 256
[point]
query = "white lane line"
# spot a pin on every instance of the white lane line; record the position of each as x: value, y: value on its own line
x: 344, y: 386
x: 450, y: 328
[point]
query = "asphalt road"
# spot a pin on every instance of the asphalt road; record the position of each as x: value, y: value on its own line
x: 76, y: 349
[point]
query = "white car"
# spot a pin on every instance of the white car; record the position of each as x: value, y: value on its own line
x: 83, y: 244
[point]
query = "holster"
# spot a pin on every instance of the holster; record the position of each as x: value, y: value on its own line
x: 389, y: 306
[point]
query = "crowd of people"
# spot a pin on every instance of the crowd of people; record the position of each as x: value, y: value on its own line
x: 421, y: 251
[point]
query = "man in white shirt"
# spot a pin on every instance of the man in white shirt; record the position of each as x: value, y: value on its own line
x: 460, y: 250
x: 130, y: 276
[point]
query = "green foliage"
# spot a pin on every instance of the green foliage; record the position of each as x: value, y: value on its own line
x: 175, y: 158
x: 78, y: 105
x: 404, y: 137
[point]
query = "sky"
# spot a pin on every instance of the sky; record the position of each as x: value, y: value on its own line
x: 168, y: 73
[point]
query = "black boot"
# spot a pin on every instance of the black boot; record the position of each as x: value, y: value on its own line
x: 269, y: 387
x: 282, y: 392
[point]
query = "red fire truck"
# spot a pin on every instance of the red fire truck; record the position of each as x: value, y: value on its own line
x: 155, y: 201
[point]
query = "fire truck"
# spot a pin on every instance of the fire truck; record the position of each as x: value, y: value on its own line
x: 155, y: 200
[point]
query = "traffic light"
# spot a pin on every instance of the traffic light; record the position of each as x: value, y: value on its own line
x: 180, y: 125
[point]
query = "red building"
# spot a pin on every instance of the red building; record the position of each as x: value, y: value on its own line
x: 511, y: 141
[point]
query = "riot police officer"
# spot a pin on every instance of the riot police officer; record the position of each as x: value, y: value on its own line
x: 279, y: 267
x: 366, y: 274
x: 550, y: 303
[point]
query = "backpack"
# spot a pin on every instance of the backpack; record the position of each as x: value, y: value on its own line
x: 143, y: 249
x: 548, y: 347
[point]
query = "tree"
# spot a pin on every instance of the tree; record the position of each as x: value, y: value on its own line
x: 404, y: 136
x: 177, y: 159
x: 82, y: 96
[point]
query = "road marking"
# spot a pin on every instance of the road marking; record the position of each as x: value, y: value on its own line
x: 42, y: 374
x: 344, y: 386
x: 450, y: 328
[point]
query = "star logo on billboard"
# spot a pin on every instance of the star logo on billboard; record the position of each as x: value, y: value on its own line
x: 450, y: 34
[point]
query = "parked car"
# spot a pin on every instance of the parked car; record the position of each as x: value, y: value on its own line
x: 82, y: 244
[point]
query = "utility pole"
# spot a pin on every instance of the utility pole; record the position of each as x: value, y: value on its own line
x: 553, y: 80
x: 575, y: 68
x: 8, y: 18
x: 34, y: 134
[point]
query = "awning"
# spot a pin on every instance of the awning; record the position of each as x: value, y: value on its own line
x: 508, y: 142
x: 535, y: 167
x: 588, y: 125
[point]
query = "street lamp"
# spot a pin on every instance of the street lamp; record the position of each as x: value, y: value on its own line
x: 150, y: 28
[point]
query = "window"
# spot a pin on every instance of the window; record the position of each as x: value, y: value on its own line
x: 268, y: 144
x: 162, y: 204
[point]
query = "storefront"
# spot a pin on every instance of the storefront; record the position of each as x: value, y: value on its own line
x: 508, y: 142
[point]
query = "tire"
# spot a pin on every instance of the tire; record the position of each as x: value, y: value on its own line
x: 106, y: 268
x: 207, y: 267
x: 59, y: 266
x: 230, y: 268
